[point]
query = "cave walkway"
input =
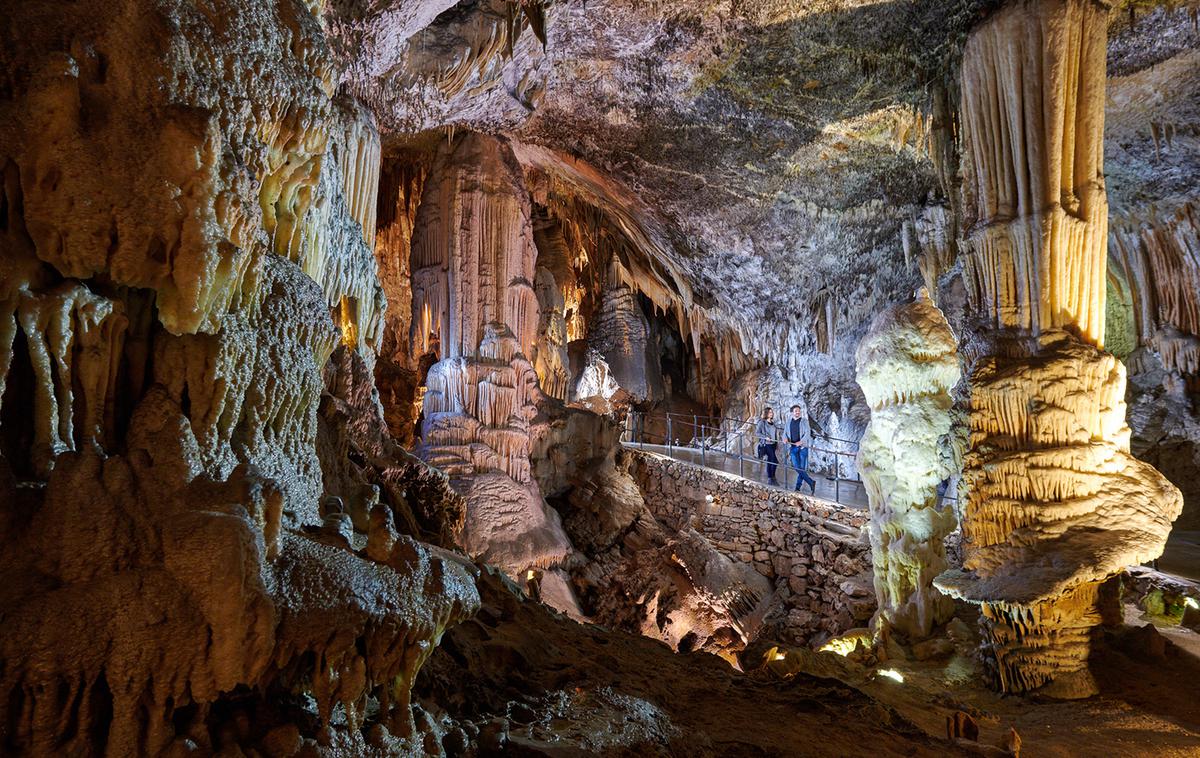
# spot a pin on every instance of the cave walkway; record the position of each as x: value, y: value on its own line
x: 847, y: 492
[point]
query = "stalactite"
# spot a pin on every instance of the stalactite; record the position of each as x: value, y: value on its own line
x: 333, y: 245
x: 620, y: 333
x: 1048, y: 473
x: 399, y: 196
x: 75, y: 340
x: 930, y: 235
x: 182, y: 182
x: 907, y: 367
x: 1159, y: 258
x: 1033, y: 126
x: 454, y: 304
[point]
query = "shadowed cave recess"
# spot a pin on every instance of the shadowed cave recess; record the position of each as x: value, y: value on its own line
x: 383, y: 377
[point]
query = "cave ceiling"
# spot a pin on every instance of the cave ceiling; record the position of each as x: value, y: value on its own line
x: 777, y: 147
x: 772, y: 151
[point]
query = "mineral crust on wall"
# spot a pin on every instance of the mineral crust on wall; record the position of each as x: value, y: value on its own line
x: 396, y: 369
x: 907, y: 367
x: 1055, y: 503
x: 1159, y: 261
x: 184, y: 204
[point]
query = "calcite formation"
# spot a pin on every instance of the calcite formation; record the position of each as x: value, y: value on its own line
x: 251, y: 250
x: 474, y: 265
x: 188, y: 220
x: 477, y: 429
x: 621, y: 334
x: 1055, y: 503
x: 473, y: 251
x: 907, y: 367
x: 1158, y: 260
x: 75, y: 339
x: 550, y: 357
x: 251, y: 390
x: 211, y: 599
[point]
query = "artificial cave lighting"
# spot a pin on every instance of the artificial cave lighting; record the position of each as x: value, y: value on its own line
x: 892, y: 674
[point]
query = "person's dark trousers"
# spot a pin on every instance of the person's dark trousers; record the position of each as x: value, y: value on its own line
x: 800, y: 463
x: 768, y: 452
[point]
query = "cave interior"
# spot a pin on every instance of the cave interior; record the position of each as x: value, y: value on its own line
x: 392, y: 377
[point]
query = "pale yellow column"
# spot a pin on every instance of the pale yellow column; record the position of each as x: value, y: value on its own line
x: 1055, y: 506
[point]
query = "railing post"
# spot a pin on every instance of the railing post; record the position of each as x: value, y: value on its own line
x: 741, y: 468
x: 669, y: 446
x: 837, y: 477
x: 703, y: 446
x: 787, y: 464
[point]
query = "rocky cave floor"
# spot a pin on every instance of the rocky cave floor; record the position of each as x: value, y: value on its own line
x: 519, y: 679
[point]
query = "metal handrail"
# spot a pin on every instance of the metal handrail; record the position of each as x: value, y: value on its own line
x: 636, y: 432
x: 698, y: 417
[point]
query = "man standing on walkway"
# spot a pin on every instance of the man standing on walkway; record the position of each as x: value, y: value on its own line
x: 799, y: 437
x: 768, y: 436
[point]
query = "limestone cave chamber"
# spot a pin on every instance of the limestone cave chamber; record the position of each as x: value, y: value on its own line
x: 599, y: 377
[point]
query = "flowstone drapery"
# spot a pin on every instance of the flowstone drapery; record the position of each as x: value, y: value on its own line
x: 1055, y: 503
x: 907, y: 366
x: 473, y: 271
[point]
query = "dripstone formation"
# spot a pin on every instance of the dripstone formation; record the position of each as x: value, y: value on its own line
x: 338, y: 338
x: 907, y: 367
x: 1056, y: 505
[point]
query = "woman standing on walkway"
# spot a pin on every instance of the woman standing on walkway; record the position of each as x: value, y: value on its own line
x: 768, y: 435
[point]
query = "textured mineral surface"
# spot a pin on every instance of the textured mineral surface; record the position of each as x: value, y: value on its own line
x: 396, y: 377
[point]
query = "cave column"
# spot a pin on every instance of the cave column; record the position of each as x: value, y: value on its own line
x: 474, y: 262
x: 907, y: 366
x: 1055, y: 506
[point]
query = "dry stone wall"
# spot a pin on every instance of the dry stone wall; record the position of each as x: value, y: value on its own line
x: 815, y: 552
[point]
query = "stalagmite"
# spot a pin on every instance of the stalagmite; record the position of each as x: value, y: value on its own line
x: 1055, y: 504
x: 550, y: 351
x: 620, y: 333
x: 907, y: 366
x: 473, y: 261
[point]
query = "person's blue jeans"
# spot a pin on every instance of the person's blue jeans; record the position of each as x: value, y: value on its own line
x: 799, y: 457
x: 768, y: 452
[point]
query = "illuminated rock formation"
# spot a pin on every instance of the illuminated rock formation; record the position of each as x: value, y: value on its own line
x: 907, y: 366
x: 550, y: 358
x: 620, y: 333
x: 473, y: 251
x: 1159, y: 261
x: 75, y: 340
x: 930, y: 234
x: 210, y: 600
x: 473, y: 260
x: 184, y: 204
x: 367, y: 468
x: 477, y: 429
x: 1055, y: 504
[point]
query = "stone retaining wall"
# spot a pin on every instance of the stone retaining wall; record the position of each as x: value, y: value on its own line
x: 815, y: 551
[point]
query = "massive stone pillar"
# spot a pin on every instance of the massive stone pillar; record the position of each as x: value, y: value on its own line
x: 1055, y: 504
x: 621, y: 334
x: 473, y: 299
x: 907, y: 366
